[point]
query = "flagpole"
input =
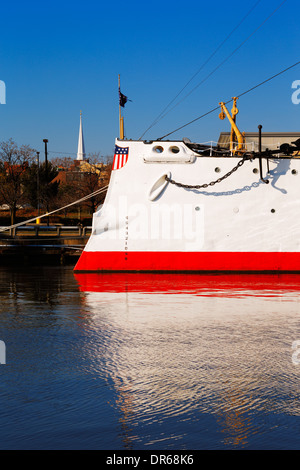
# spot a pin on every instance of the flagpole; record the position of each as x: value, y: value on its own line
x: 121, y: 119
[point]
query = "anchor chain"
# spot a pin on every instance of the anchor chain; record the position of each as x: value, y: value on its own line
x: 212, y: 183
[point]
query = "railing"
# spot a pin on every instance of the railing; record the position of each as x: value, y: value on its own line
x: 45, y: 230
x: 252, y: 146
x: 247, y: 146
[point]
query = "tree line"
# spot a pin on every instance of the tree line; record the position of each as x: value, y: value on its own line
x: 26, y: 182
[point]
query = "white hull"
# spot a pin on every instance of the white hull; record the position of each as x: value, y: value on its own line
x: 240, y: 223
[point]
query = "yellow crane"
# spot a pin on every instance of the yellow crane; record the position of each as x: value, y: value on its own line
x: 237, y: 139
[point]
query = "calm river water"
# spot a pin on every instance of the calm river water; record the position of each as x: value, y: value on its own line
x: 136, y: 361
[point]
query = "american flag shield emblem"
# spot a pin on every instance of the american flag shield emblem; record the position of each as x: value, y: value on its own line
x: 120, y: 157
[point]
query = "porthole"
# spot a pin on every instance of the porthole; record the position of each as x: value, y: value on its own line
x: 158, y: 149
x: 197, y: 208
x: 217, y: 169
x: 272, y: 210
x: 175, y: 149
x: 294, y: 172
x: 255, y: 170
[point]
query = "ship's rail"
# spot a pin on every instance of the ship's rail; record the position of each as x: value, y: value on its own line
x: 212, y: 148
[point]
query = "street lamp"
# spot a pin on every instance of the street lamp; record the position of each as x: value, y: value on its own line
x: 38, y: 186
x: 46, y: 157
x: 46, y: 175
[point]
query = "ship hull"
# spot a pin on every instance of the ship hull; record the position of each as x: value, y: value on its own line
x: 237, y: 224
x: 189, y: 262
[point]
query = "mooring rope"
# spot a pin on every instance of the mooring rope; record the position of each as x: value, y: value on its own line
x: 95, y: 193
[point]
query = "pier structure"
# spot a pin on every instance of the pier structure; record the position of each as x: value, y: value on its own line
x: 38, y: 244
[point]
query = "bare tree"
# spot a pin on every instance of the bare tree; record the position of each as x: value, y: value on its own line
x: 84, y: 178
x: 14, y: 162
x: 62, y: 162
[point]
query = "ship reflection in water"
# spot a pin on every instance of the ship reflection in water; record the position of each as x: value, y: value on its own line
x: 197, y: 361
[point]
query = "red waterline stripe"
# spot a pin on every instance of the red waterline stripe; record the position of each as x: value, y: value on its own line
x: 183, y: 261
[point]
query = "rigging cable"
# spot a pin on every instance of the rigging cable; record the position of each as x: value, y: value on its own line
x: 229, y: 101
x: 215, y: 69
x: 157, y: 119
x: 227, y: 58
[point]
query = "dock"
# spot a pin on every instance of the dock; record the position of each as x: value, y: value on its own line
x: 43, y: 244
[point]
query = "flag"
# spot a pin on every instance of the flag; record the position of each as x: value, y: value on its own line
x: 122, y: 99
x: 120, y: 157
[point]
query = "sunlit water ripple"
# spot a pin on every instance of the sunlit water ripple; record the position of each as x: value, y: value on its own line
x: 148, y: 361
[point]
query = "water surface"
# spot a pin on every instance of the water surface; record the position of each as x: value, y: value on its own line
x: 136, y: 361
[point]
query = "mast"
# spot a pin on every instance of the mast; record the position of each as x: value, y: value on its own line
x: 121, y: 119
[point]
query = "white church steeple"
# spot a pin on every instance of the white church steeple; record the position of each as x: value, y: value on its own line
x: 81, y: 149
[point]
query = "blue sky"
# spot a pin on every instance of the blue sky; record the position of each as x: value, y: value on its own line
x: 60, y: 57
